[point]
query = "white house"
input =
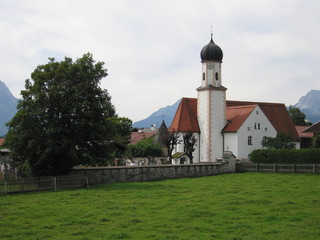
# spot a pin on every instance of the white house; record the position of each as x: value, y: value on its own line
x: 221, y: 125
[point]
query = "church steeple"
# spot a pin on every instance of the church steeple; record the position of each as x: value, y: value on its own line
x: 211, y: 104
x: 211, y: 58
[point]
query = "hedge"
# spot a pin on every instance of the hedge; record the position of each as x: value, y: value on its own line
x: 309, y: 155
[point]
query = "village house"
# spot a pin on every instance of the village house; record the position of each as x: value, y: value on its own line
x: 221, y: 125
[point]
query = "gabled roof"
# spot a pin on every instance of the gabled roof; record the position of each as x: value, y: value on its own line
x: 185, y: 119
x: 302, y: 134
x: 276, y: 113
x: 315, y: 128
x: 236, y: 117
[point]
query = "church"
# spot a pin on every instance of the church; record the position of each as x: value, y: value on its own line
x: 221, y: 125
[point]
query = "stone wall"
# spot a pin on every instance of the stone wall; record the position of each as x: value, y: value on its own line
x: 98, y: 175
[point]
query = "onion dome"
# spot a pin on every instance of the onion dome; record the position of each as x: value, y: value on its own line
x: 211, y: 52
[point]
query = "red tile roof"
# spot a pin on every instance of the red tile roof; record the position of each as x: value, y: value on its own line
x: 302, y: 134
x: 237, y: 111
x: 236, y: 116
x: 137, y: 136
x: 1, y: 141
x: 277, y: 114
x: 315, y: 128
x: 185, y: 119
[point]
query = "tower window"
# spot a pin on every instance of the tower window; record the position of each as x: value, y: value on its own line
x: 250, y: 140
x: 259, y: 126
x: 266, y: 129
x: 217, y: 76
x: 257, y: 112
x: 203, y: 76
x: 248, y: 128
x: 255, y: 126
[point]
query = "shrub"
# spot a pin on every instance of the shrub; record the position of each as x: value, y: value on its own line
x: 285, y: 156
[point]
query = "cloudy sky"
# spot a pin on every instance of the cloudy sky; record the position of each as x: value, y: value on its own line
x: 152, y: 48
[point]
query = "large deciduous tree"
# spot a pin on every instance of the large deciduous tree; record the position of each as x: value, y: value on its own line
x: 62, y: 117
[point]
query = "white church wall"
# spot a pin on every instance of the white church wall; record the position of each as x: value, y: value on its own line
x: 231, y: 142
x: 257, y: 126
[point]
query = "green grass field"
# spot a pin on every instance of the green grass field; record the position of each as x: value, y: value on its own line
x: 231, y: 206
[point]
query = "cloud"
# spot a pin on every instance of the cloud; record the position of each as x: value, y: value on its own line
x: 151, y: 48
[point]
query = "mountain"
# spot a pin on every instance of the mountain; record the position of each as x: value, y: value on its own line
x: 310, y: 105
x: 166, y: 114
x: 8, y: 107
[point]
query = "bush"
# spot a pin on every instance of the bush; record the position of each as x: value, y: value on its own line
x: 285, y: 156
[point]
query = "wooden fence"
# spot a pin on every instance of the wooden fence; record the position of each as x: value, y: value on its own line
x: 22, y: 185
x: 278, y: 168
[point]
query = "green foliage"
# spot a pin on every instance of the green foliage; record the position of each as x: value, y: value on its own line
x: 285, y: 156
x: 62, y: 117
x: 145, y: 148
x: 120, y: 129
x: 298, y: 118
x: 316, y: 141
x: 246, y: 206
x: 281, y: 141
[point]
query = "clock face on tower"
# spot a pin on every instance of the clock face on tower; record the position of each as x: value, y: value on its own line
x: 210, y: 66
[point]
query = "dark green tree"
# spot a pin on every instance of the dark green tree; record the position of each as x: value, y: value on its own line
x: 169, y: 140
x: 189, y: 141
x: 298, y: 118
x: 281, y: 141
x: 316, y: 141
x: 62, y: 117
x: 120, y: 129
x: 145, y: 148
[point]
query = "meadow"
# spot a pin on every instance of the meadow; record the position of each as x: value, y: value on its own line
x: 231, y: 206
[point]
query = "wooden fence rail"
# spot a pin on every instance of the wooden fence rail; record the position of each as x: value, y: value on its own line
x: 278, y: 168
x: 42, y: 183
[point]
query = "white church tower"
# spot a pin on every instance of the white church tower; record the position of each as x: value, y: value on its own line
x: 211, y: 104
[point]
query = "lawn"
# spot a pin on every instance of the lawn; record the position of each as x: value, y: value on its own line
x: 230, y: 206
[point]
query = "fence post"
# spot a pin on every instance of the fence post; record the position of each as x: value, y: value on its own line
x: 87, y: 182
x: 257, y: 167
x: 293, y: 168
x: 314, y: 168
x: 275, y: 168
x: 54, y: 183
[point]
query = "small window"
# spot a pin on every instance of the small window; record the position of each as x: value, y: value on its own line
x: 255, y: 126
x: 266, y: 129
x: 257, y: 112
x: 259, y: 126
x: 250, y: 140
x: 248, y: 128
x: 217, y: 76
x: 203, y: 76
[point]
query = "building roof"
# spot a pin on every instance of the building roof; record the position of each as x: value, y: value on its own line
x: 302, y: 134
x: 236, y: 117
x: 237, y: 112
x: 137, y: 136
x: 276, y: 113
x: 315, y: 128
x: 1, y: 141
x: 185, y: 119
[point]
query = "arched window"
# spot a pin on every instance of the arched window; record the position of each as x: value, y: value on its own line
x: 217, y: 76
x: 250, y: 140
